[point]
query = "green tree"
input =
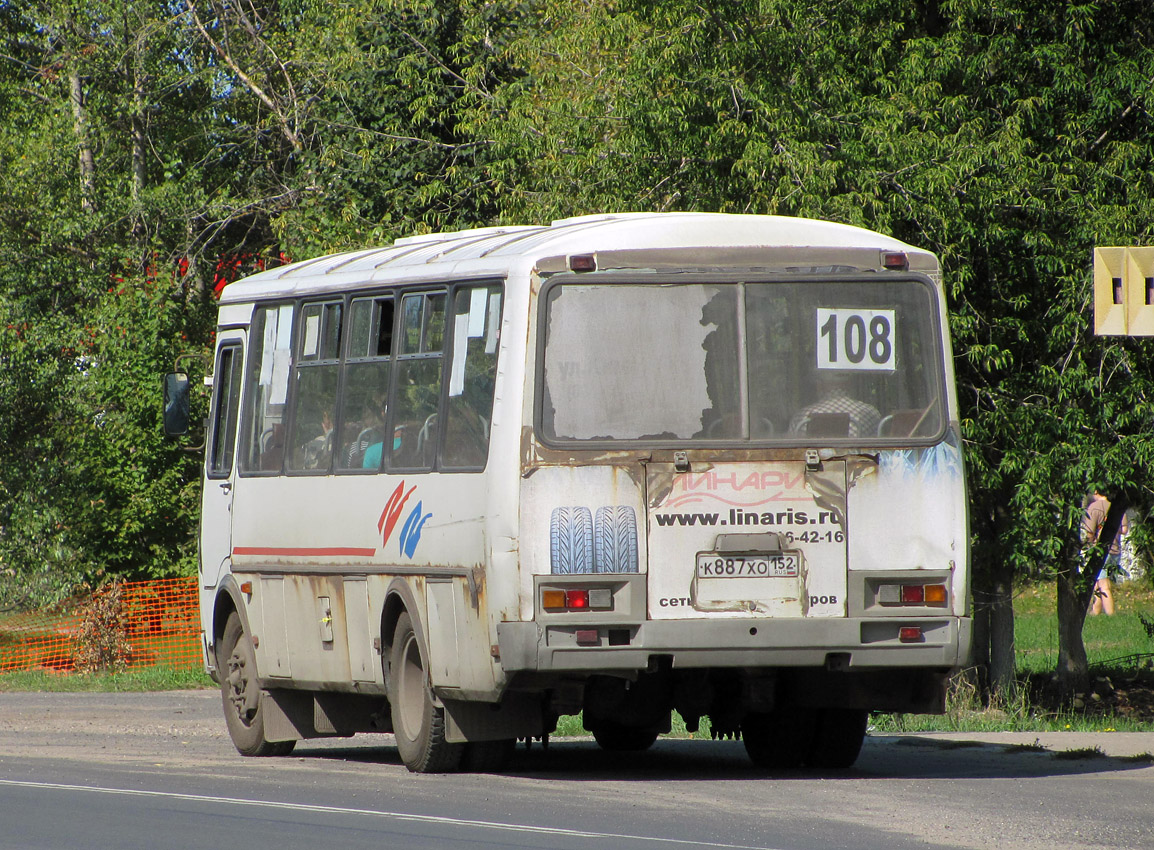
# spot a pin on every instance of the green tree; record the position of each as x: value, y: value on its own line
x: 1009, y: 139
x: 154, y: 151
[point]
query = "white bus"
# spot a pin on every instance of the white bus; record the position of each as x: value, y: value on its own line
x: 623, y: 465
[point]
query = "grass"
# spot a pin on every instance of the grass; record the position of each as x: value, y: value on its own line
x: 1111, y: 643
x: 1106, y: 638
x: 570, y: 725
x: 143, y: 679
x: 1079, y: 755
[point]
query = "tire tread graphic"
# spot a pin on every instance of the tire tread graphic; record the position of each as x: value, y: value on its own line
x: 615, y: 540
x: 571, y: 540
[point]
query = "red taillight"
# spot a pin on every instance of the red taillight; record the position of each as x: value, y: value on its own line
x: 913, y: 594
x: 576, y: 599
x: 910, y: 634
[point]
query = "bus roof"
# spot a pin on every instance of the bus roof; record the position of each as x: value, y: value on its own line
x: 618, y: 240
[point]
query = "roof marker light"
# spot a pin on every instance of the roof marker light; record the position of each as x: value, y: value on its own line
x: 583, y: 263
x: 895, y: 261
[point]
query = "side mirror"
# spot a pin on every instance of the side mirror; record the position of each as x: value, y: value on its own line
x: 176, y: 403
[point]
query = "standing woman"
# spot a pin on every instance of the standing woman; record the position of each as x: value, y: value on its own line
x: 1095, y: 517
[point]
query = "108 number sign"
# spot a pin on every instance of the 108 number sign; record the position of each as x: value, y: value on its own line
x: 856, y: 339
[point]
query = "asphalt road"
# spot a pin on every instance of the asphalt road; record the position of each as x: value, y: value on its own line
x: 157, y: 771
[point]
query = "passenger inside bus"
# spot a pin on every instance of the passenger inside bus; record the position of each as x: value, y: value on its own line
x: 371, y: 433
x: 318, y: 451
x: 836, y: 413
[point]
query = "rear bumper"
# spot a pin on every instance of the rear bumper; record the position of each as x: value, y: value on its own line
x: 836, y: 644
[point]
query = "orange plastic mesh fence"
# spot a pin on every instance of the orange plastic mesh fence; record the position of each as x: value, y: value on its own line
x: 157, y: 621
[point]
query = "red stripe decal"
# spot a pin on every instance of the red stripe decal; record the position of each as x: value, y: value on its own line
x: 335, y: 551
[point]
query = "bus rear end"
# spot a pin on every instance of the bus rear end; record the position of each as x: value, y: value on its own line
x: 742, y: 499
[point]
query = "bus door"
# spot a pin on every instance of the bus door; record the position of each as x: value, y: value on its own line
x: 220, y: 463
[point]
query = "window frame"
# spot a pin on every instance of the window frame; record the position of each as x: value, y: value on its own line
x: 300, y: 365
x: 347, y: 360
x: 346, y: 299
x: 248, y: 410
x: 235, y: 347
x: 690, y: 277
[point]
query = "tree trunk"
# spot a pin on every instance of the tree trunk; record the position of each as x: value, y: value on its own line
x: 83, y: 143
x: 1073, y: 599
x: 1003, y: 663
x: 138, y: 141
x: 979, y: 672
x: 993, y: 638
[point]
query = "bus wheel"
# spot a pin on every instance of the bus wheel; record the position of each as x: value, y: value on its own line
x: 618, y: 738
x: 241, y: 694
x: 840, y: 734
x: 780, y: 739
x: 418, y: 724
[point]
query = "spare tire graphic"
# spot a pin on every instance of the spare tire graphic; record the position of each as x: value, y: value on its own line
x: 615, y: 540
x: 571, y: 540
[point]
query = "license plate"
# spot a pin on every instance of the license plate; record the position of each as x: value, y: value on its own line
x: 727, y: 565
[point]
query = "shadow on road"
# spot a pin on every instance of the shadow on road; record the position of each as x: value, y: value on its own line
x: 890, y: 757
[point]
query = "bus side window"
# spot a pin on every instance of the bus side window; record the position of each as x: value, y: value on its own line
x: 472, y: 376
x: 270, y: 366
x: 226, y: 385
x: 417, y: 390
x: 317, y: 375
x: 368, y: 359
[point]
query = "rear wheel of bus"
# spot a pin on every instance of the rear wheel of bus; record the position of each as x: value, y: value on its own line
x: 418, y: 724
x: 790, y: 737
x: 241, y: 694
x: 780, y: 739
x: 840, y: 735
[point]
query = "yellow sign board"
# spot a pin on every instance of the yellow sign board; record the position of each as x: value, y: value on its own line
x: 1124, y: 291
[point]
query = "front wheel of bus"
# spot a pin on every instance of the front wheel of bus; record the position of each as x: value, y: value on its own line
x: 241, y: 695
x: 418, y: 724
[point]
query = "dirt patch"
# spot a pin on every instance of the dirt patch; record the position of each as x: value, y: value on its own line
x: 1121, y: 693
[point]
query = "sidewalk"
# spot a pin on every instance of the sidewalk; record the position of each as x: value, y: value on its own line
x: 1113, y: 744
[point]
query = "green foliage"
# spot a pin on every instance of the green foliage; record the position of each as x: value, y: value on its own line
x: 1009, y: 139
x: 91, y: 487
x: 212, y: 137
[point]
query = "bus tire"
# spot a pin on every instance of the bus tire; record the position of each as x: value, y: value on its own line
x: 780, y: 739
x: 241, y: 694
x: 619, y: 738
x: 839, y: 738
x: 418, y: 724
x: 571, y: 540
x: 615, y: 540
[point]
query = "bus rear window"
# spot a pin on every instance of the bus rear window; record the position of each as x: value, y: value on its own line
x: 751, y: 361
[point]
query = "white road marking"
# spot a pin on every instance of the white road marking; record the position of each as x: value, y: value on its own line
x: 397, y: 816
